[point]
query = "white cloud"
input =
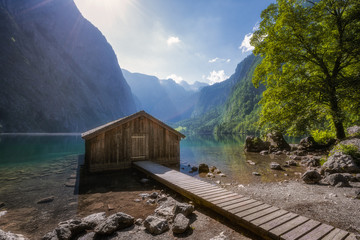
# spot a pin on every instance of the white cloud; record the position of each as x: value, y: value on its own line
x: 217, y: 76
x: 176, y: 78
x: 173, y: 40
x: 219, y: 60
x: 245, y: 45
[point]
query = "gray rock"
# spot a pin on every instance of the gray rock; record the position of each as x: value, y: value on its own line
x: 349, y: 177
x: 151, y: 201
x: 212, y: 168
x: 203, y: 168
x: 138, y: 221
x: 69, y: 228
x: 264, y: 152
x: 87, y: 236
x: 11, y: 236
x: 354, y: 130
x: 295, y: 157
x: 49, y: 236
x: 278, y: 152
x: 310, y: 162
x: 275, y: 166
x: 144, y: 195
x: 165, y: 212
x: 2, y: 213
x: 291, y: 163
x: 256, y: 174
x: 183, y: 208
x: 277, y: 142
x: 255, y: 144
x: 357, y: 194
x: 222, y: 175
x: 308, y: 144
x: 338, y: 180
x: 357, y: 177
x: 154, y: 195
x: 250, y: 162
x: 93, y: 220
x: 311, y: 177
x: 115, y: 222
x: 63, y: 233
x: 156, y: 225
x: 339, y: 162
x: 210, y: 175
x: 46, y: 200
x: 181, y: 223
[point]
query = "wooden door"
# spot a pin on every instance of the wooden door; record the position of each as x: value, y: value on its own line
x: 139, y: 147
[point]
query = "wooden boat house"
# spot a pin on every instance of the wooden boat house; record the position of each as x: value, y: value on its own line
x: 140, y: 136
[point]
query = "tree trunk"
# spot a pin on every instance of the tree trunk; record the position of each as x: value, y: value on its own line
x: 340, y: 132
x: 337, y: 119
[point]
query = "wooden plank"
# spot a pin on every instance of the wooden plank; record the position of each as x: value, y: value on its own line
x: 246, y: 206
x: 278, y: 221
x: 286, y: 227
x: 261, y: 213
x: 336, y: 234
x: 300, y: 230
x: 269, y: 217
x: 235, y: 197
x: 253, y: 210
x: 197, y: 187
x: 224, y: 196
x: 318, y: 232
x: 351, y: 237
x: 209, y: 192
x: 232, y: 206
x: 229, y: 202
x: 204, y: 190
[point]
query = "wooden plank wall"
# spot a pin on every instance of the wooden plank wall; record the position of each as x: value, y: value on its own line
x: 139, y: 139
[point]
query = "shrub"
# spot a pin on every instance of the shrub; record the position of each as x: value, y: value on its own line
x: 322, y: 136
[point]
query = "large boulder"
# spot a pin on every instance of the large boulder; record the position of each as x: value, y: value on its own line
x: 181, y: 223
x: 114, y: 222
x: 93, y: 220
x: 354, y: 131
x: 156, y: 225
x: 337, y: 180
x: 308, y: 144
x: 277, y: 142
x: 311, y: 177
x: 339, y: 162
x: 255, y: 144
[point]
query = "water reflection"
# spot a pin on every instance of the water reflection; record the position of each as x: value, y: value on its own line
x: 227, y: 154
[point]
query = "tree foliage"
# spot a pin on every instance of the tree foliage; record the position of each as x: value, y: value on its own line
x: 311, y: 65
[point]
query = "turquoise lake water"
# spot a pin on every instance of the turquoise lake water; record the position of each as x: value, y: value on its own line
x: 33, y: 167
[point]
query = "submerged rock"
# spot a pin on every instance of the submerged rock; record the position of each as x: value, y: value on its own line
x: 311, y: 177
x: 11, y: 236
x: 156, y: 225
x: 46, y: 200
x: 181, y: 223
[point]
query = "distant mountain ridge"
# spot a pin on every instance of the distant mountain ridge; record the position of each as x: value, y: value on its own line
x: 58, y: 73
x: 164, y: 99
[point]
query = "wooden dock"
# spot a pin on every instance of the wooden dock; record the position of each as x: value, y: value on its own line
x: 264, y: 220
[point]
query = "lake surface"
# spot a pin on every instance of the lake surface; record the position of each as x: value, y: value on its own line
x: 37, y: 166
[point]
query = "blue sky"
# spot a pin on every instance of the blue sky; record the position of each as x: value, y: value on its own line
x: 191, y: 40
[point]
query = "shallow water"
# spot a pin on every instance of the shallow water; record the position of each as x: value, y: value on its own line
x: 33, y: 167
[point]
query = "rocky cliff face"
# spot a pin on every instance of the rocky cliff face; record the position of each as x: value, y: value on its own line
x: 57, y: 71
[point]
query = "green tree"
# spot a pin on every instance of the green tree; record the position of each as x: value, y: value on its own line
x: 311, y: 65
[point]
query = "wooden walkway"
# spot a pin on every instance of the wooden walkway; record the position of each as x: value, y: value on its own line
x: 264, y: 220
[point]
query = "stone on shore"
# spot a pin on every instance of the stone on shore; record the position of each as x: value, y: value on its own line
x: 308, y: 144
x: 114, y: 222
x: 353, y: 131
x: 181, y: 223
x: 156, y: 225
x: 311, y: 177
x: 94, y: 220
x: 255, y: 144
x: 203, y: 168
x: 11, y: 236
x: 275, y: 166
x: 183, y: 208
x: 337, y: 180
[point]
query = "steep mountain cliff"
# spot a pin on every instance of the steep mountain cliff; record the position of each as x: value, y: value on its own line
x: 230, y: 106
x: 57, y: 71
